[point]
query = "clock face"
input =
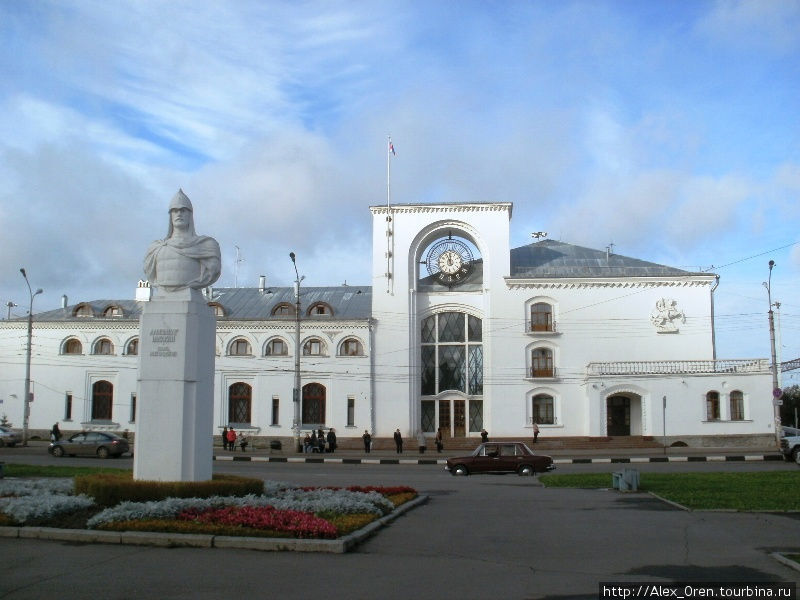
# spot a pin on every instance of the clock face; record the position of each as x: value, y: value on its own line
x: 450, y: 261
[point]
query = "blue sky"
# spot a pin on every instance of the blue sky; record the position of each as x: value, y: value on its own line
x: 668, y: 128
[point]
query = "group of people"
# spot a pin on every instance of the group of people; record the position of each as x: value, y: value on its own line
x: 230, y: 439
x: 317, y: 441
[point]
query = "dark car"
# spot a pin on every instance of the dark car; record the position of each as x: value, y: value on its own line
x: 501, y: 457
x: 90, y: 443
x: 9, y: 437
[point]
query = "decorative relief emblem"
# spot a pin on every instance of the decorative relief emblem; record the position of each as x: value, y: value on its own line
x: 666, y: 316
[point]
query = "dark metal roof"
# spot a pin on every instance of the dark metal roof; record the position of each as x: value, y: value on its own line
x: 346, y: 302
x: 552, y: 259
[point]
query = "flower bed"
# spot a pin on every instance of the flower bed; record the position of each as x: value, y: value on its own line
x: 282, y: 510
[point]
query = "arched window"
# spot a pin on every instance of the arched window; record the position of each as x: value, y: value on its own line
x: 240, y: 400
x: 351, y: 347
x: 320, y: 309
x: 83, y: 310
x: 239, y: 347
x: 103, y: 346
x: 542, y: 363
x: 314, y: 347
x: 737, y: 406
x: 102, y: 400
x: 219, y: 311
x: 72, y: 346
x: 276, y: 347
x: 542, y: 317
x: 542, y: 411
x: 712, y: 406
x: 284, y: 309
x: 132, y: 349
x: 112, y: 311
x: 313, y: 404
x: 452, y: 354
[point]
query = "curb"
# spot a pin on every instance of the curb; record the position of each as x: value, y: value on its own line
x: 557, y: 461
x: 195, y: 540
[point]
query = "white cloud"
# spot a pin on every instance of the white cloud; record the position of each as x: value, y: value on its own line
x: 772, y: 25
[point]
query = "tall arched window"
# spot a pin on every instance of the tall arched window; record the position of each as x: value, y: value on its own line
x: 240, y: 401
x: 452, y: 354
x: 737, y: 406
x: 542, y: 409
x: 102, y: 400
x: 542, y: 363
x: 712, y: 406
x: 313, y: 404
x: 542, y: 317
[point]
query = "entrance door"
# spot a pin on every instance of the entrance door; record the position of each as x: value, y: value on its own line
x: 459, y: 419
x: 444, y: 417
x: 618, y: 416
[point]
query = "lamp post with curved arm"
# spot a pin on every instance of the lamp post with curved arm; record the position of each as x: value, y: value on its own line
x: 26, y: 410
x: 296, y: 391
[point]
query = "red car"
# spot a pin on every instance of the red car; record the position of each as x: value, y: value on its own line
x: 501, y: 457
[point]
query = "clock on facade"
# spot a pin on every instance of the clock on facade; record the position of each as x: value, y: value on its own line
x: 449, y: 261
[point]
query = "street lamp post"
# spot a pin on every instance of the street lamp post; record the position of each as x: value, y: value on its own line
x: 776, y: 391
x: 297, y: 349
x: 26, y: 409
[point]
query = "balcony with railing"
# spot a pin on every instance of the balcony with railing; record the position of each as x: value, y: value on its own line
x: 542, y: 372
x: 678, y: 367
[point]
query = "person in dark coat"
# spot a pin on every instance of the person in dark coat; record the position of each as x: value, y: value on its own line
x: 367, y: 441
x: 314, y: 445
x: 484, y: 436
x: 439, y: 440
x: 398, y: 441
x: 55, y: 433
x: 321, y: 440
x: 224, y: 438
x: 331, y: 441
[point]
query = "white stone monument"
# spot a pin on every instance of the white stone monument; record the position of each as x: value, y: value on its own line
x: 175, y: 402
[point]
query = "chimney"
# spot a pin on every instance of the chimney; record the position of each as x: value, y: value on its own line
x: 64, y: 301
x: 262, y: 283
x: 143, y: 291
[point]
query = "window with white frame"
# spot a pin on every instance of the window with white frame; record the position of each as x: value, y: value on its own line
x: 351, y: 411
x: 542, y: 317
x: 103, y: 346
x: 276, y: 347
x: 351, y: 347
x: 313, y: 347
x: 276, y: 403
x: 239, y: 347
x: 712, y: 406
x: 737, y: 405
x: 543, y: 409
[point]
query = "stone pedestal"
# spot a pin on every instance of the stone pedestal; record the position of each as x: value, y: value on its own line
x: 175, y: 402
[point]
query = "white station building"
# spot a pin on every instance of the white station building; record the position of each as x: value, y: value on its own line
x: 458, y: 331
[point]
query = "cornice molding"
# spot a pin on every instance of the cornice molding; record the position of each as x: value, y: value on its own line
x: 568, y: 283
x: 467, y: 207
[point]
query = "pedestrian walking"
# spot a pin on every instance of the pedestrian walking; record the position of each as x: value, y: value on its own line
x: 484, y: 436
x: 331, y: 440
x: 439, y: 440
x: 231, y: 436
x: 367, y: 441
x: 535, y: 432
x: 398, y: 441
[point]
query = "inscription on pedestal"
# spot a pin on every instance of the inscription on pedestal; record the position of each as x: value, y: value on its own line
x: 160, y: 337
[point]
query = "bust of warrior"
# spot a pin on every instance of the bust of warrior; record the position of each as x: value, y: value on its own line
x: 183, y: 259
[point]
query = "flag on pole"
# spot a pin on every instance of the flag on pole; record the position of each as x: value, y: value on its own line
x: 391, y: 148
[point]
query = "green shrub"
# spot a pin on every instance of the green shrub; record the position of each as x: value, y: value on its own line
x: 109, y: 489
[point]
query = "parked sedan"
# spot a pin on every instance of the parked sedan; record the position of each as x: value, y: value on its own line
x: 9, y: 437
x: 90, y: 443
x: 501, y: 457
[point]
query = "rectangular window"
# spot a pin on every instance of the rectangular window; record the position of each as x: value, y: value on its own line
x: 475, y: 415
x: 275, y: 406
x: 428, y: 370
x: 737, y: 406
x: 133, y: 408
x: 428, y: 416
x: 68, y: 406
x: 543, y: 412
x: 712, y: 406
x: 351, y: 411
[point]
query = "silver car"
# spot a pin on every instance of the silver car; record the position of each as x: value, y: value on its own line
x: 9, y: 437
x: 90, y: 443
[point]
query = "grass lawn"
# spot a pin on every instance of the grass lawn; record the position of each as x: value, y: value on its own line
x: 15, y: 470
x: 758, y: 491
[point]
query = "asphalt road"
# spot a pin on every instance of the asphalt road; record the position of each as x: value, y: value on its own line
x: 490, y: 536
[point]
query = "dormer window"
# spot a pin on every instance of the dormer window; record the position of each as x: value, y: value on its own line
x: 219, y: 311
x: 320, y: 309
x: 112, y: 312
x: 284, y: 309
x: 83, y: 310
